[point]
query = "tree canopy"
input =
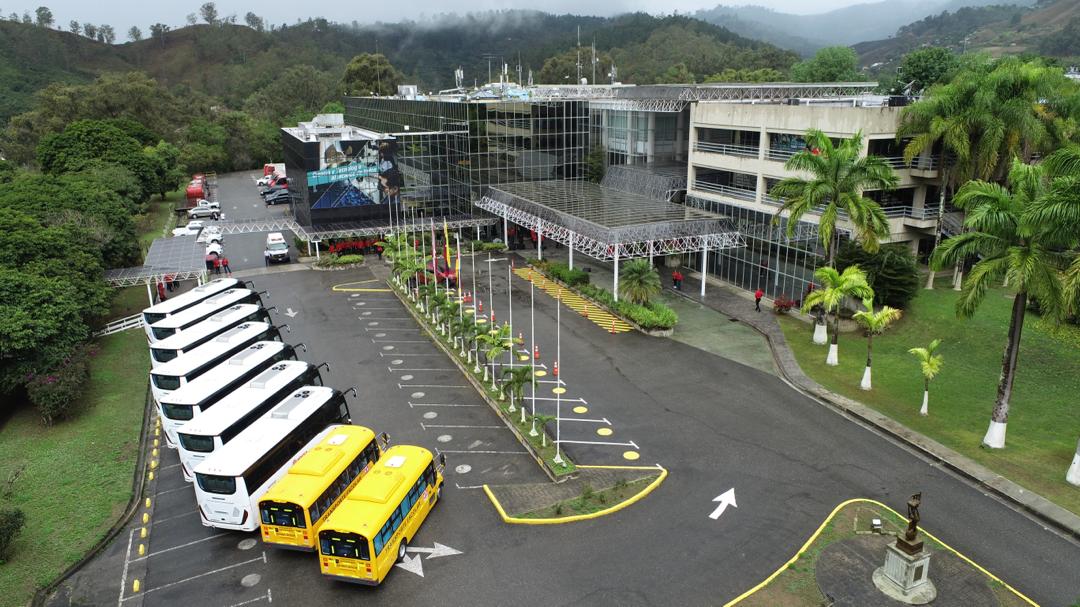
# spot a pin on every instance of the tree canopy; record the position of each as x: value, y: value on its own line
x: 830, y: 64
x: 369, y: 73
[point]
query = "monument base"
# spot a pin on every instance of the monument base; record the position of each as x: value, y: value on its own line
x: 904, y: 576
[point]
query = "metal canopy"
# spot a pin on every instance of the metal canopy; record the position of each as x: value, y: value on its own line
x: 662, y: 181
x: 346, y: 230
x: 675, y: 97
x: 605, y: 223
x: 180, y: 256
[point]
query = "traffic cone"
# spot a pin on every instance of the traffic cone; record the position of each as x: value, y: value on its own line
x: 480, y: 305
x: 521, y: 337
x: 586, y: 313
x: 493, y: 318
x: 536, y: 352
x: 556, y: 371
x: 612, y: 326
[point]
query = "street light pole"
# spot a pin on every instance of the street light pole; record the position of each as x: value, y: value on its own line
x: 532, y: 336
x: 558, y: 382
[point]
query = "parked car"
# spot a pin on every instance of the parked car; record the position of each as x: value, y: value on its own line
x: 204, y: 211
x: 278, y: 197
x: 213, y: 204
x: 191, y: 229
x: 210, y: 234
x: 215, y: 248
x: 276, y: 248
x: 279, y: 183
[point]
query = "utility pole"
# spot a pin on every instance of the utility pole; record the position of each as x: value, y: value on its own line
x: 593, y: 81
x: 578, y: 81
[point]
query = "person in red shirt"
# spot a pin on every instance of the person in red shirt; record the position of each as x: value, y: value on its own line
x: 676, y: 280
x: 757, y: 299
x: 161, y: 291
x: 225, y: 266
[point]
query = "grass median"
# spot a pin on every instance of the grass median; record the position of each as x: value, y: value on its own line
x: 73, y: 479
x: 1043, y: 418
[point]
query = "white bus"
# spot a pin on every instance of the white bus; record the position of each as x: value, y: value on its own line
x: 167, y: 349
x: 189, y: 402
x: 192, y: 316
x: 199, y: 438
x: 228, y: 485
x: 181, y: 302
x: 182, y: 370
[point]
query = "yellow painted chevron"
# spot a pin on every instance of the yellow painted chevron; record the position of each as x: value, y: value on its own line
x: 575, y: 302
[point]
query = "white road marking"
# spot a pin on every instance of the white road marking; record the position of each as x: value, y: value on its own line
x: 123, y: 576
x: 195, y: 577
x: 488, y: 452
x: 585, y: 419
x: 403, y: 386
x: 726, y: 499
x: 399, y: 341
x: 552, y: 399
x: 167, y: 491
x: 173, y: 518
x: 412, y: 404
x: 397, y: 355
x: 391, y: 369
x: 469, y: 486
x: 159, y: 552
x: 591, y: 442
x: 265, y: 597
x: 426, y: 426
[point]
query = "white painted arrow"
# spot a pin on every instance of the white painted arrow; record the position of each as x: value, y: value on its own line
x: 289, y: 312
x: 726, y: 499
x: 436, y: 551
x: 412, y: 564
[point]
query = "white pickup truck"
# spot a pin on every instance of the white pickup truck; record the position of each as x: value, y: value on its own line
x: 204, y: 233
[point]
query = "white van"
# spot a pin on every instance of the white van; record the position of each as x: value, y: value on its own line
x: 276, y: 248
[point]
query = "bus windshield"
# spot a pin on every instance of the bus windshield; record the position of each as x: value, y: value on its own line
x: 166, y: 382
x: 152, y: 317
x: 196, y: 443
x: 179, y: 412
x: 225, y: 485
x: 162, y: 355
x: 282, y: 514
x: 349, y: 545
x: 162, y: 333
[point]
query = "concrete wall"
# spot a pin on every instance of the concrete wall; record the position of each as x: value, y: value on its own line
x: 875, y: 122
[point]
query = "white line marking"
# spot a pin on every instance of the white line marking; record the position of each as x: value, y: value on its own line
x: 265, y: 597
x: 585, y: 419
x: 169, y: 466
x: 383, y: 330
x: 590, y: 442
x: 384, y: 354
x: 143, y: 558
x: 552, y: 399
x: 403, y: 386
x: 412, y: 404
x: 367, y: 308
x: 426, y: 426
x: 551, y: 381
x: 383, y: 318
x: 400, y: 341
x: 168, y: 491
x: 195, y: 577
x: 490, y: 452
x: 173, y: 518
x: 392, y: 370
x: 469, y: 486
x: 123, y: 577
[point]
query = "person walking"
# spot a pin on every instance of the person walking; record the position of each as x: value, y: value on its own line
x: 757, y: 299
x: 676, y: 280
x: 217, y: 265
x: 161, y: 291
x: 225, y: 266
x: 168, y: 283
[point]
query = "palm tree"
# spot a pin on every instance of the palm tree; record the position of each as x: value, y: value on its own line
x: 543, y: 419
x: 514, y: 380
x: 875, y: 323
x: 1003, y: 233
x: 468, y: 335
x: 836, y: 286
x: 838, y: 177
x: 1058, y: 209
x: 494, y: 343
x: 930, y: 365
x: 639, y: 282
x: 988, y: 114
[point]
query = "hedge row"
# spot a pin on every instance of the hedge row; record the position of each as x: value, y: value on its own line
x: 653, y: 316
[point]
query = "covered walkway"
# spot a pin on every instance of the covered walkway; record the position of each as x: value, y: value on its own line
x: 608, y: 224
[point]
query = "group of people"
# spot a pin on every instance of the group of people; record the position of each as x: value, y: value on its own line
x: 167, y: 283
x: 218, y: 264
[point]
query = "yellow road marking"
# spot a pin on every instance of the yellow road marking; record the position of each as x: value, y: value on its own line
x: 559, y: 390
x: 345, y: 288
x: 575, y: 302
x: 540, y: 373
x: 604, y: 431
x: 579, y: 409
x: 631, y: 455
x: 832, y: 514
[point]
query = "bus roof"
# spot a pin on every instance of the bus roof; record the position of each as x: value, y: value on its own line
x: 237, y: 403
x: 317, y: 469
x: 201, y: 309
x: 369, y: 504
x: 197, y: 294
x: 205, y: 327
x: 193, y: 392
x: 239, y: 454
x: 188, y: 361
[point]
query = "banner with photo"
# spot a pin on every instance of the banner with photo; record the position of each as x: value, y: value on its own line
x: 355, y: 173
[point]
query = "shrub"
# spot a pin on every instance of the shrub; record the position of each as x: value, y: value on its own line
x: 892, y: 272
x: 654, y: 315
x: 574, y: 278
x: 55, y: 392
x: 333, y: 259
x: 783, y: 304
x: 12, y: 521
x: 481, y: 245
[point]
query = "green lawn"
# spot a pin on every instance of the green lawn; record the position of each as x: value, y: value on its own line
x: 76, y: 476
x: 149, y: 225
x: 1044, y: 418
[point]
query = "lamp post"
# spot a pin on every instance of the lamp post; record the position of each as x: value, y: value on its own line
x: 491, y: 302
x: 532, y: 336
x: 558, y: 381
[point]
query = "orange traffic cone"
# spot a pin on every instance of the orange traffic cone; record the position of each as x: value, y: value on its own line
x: 536, y: 352
x: 556, y: 371
x: 612, y: 326
x: 521, y: 337
x: 586, y: 313
x: 493, y: 318
x: 480, y: 305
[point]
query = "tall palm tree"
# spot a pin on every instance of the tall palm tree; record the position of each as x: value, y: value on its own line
x: 514, y: 380
x: 991, y: 112
x: 494, y: 345
x: 1011, y: 245
x: 639, y: 282
x: 543, y: 421
x: 838, y: 175
x: 930, y: 365
x: 875, y: 323
x: 1058, y: 209
x: 835, y: 287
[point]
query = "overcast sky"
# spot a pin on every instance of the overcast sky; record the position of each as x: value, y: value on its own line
x: 122, y: 14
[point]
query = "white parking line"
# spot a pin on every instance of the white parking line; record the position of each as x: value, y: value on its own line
x: 403, y: 386
x: 399, y: 341
x: 565, y: 400
x: 585, y: 419
x: 169, y: 466
x: 411, y: 404
x: 173, y: 518
x: 384, y: 354
x: 489, y: 452
x: 383, y: 318
x: 426, y: 426
x: 591, y: 442
x: 123, y: 576
x: 378, y: 330
x: 267, y: 597
x: 205, y: 539
x: 195, y: 577
x: 392, y: 370
x: 469, y: 486
x: 168, y: 491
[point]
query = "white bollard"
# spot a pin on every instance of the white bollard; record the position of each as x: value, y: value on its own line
x: 865, y: 383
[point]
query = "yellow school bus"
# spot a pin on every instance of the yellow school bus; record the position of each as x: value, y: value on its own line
x: 294, y: 507
x: 371, y: 528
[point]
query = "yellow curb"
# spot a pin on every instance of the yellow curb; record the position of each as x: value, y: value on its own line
x: 832, y: 514
x: 345, y: 288
x: 583, y: 517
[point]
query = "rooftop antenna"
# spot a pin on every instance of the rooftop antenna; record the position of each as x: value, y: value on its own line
x: 530, y: 78
x: 614, y: 73
x: 593, y: 81
x: 578, y: 54
x: 489, y: 57
x: 519, y: 69
x: 459, y: 76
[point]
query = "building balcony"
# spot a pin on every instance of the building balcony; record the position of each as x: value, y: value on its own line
x: 727, y: 149
x: 725, y: 190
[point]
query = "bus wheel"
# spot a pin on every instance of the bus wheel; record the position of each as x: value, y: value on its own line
x: 401, y: 549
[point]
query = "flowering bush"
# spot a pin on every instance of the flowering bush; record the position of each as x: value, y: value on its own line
x: 783, y: 304
x: 55, y: 392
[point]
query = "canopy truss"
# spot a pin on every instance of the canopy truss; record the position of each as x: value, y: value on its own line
x: 607, y: 224
x: 346, y: 230
x: 675, y: 97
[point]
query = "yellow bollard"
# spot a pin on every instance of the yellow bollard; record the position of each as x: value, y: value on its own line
x: 142, y: 532
x: 147, y: 502
x: 157, y: 432
x: 153, y: 452
x: 135, y: 586
x: 151, y: 475
x: 145, y: 517
x: 153, y: 464
x: 156, y: 442
x: 142, y: 549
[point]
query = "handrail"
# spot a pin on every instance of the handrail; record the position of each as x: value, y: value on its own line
x: 739, y: 193
x: 121, y: 324
x: 727, y: 149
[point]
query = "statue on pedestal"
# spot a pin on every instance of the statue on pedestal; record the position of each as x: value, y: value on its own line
x: 907, y: 542
x: 904, y: 577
